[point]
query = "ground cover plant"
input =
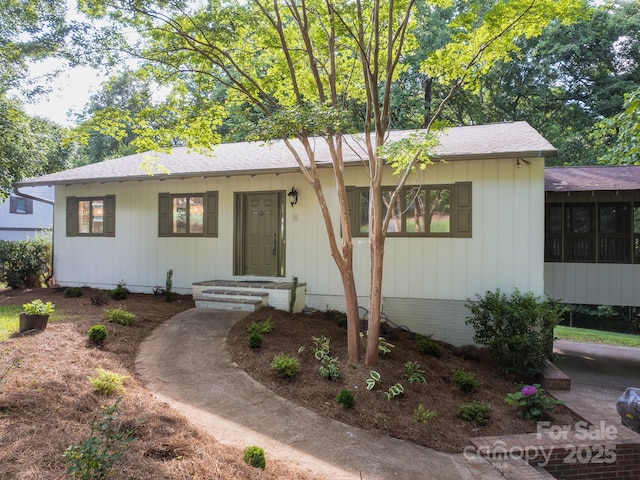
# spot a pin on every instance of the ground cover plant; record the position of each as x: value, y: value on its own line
x: 424, y: 413
x: 47, y: 405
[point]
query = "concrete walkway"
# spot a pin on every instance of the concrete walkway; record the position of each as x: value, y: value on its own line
x: 185, y: 363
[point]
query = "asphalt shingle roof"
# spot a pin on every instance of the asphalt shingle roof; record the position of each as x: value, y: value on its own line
x: 499, y: 140
x: 591, y: 178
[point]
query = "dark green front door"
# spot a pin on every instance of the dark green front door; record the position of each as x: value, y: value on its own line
x: 261, y: 242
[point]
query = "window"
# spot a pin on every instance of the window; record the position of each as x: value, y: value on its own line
x: 188, y: 214
x: 420, y: 210
x: 614, y: 237
x: 19, y: 205
x: 92, y: 216
x: 598, y: 232
x: 580, y: 233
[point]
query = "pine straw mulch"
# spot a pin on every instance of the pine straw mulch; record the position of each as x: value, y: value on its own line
x: 47, y: 404
x: 373, y: 412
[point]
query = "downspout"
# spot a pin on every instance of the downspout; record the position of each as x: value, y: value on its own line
x: 17, y: 191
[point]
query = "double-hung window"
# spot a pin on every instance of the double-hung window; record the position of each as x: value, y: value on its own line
x: 419, y: 210
x: 91, y: 216
x: 188, y: 215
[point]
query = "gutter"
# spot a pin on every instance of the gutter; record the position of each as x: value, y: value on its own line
x: 31, y: 197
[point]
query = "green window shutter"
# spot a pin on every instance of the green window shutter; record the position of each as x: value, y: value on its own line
x: 462, y: 210
x: 72, y: 216
x: 211, y: 214
x: 164, y: 214
x: 13, y: 205
x: 110, y: 216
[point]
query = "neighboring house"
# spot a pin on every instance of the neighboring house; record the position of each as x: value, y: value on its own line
x: 470, y: 223
x: 22, y: 218
x: 592, y: 235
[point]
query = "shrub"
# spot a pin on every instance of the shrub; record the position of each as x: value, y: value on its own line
x: 346, y: 398
x: 95, y: 457
x: 475, y: 412
x: 531, y: 402
x: 262, y: 328
x: 413, y: 372
x: 120, y: 292
x: 24, y: 263
x: 422, y: 415
x: 517, y: 330
x: 120, y: 316
x: 254, y: 456
x: 285, y: 366
x: 106, y: 382
x: 99, y: 298
x: 427, y: 346
x: 97, y: 334
x: 255, y: 340
x: 465, y: 381
x: 71, y: 292
x: 340, y: 318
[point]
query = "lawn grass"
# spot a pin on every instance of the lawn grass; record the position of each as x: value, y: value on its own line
x: 596, y: 336
x: 9, y: 320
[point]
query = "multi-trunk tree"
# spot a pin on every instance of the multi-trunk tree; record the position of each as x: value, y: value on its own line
x: 304, y: 64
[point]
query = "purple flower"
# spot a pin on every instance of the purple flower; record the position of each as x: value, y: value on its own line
x: 528, y: 391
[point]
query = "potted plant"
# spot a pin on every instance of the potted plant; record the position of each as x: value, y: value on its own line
x: 35, y: 315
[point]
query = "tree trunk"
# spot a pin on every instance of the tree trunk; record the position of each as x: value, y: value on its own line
x: 376, y: 251
x: 353, y: 316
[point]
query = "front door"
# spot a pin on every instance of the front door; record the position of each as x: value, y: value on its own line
x: 259, y: 235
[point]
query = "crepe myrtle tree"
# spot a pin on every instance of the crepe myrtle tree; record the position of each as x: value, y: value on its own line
x: 304, y: 65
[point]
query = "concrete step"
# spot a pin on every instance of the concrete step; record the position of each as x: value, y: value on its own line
x: 226, y: 303
x: 226, y: 299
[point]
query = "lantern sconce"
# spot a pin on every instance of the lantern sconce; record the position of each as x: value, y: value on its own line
x: 293, y: 196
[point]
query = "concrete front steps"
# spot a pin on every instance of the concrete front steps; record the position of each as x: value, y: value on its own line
x: 247, y: 296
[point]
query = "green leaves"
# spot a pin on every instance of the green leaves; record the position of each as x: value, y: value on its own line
x: 619, y: 136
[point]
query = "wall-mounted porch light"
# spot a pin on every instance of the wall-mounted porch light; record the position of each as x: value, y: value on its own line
x: 293, y: 196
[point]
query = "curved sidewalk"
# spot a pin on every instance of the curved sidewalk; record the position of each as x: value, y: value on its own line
x: 185, y: 363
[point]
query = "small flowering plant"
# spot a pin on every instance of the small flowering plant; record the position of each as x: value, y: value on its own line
x: 531, y: 402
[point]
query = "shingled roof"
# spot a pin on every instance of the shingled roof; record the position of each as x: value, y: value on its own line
x: 592, y: 178
x: 499, y: 140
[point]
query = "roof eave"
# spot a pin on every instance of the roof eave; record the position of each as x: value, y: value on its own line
x: 272, y: 171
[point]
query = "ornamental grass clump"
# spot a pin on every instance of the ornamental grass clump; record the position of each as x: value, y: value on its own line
x: 531, y: 402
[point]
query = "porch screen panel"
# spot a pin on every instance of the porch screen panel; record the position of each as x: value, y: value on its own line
x: 580, y: 235
x: 614, y: 233
x: 553, y: 233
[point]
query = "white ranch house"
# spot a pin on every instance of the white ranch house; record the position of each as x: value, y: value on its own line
x: 226, y: 216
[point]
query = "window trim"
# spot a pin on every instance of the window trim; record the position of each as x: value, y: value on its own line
x: 209, y: 216
x: 109, y: 220
x: 461, y: 211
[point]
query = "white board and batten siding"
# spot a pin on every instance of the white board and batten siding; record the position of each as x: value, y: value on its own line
x: 427, y: 281
x: 593, y: 283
